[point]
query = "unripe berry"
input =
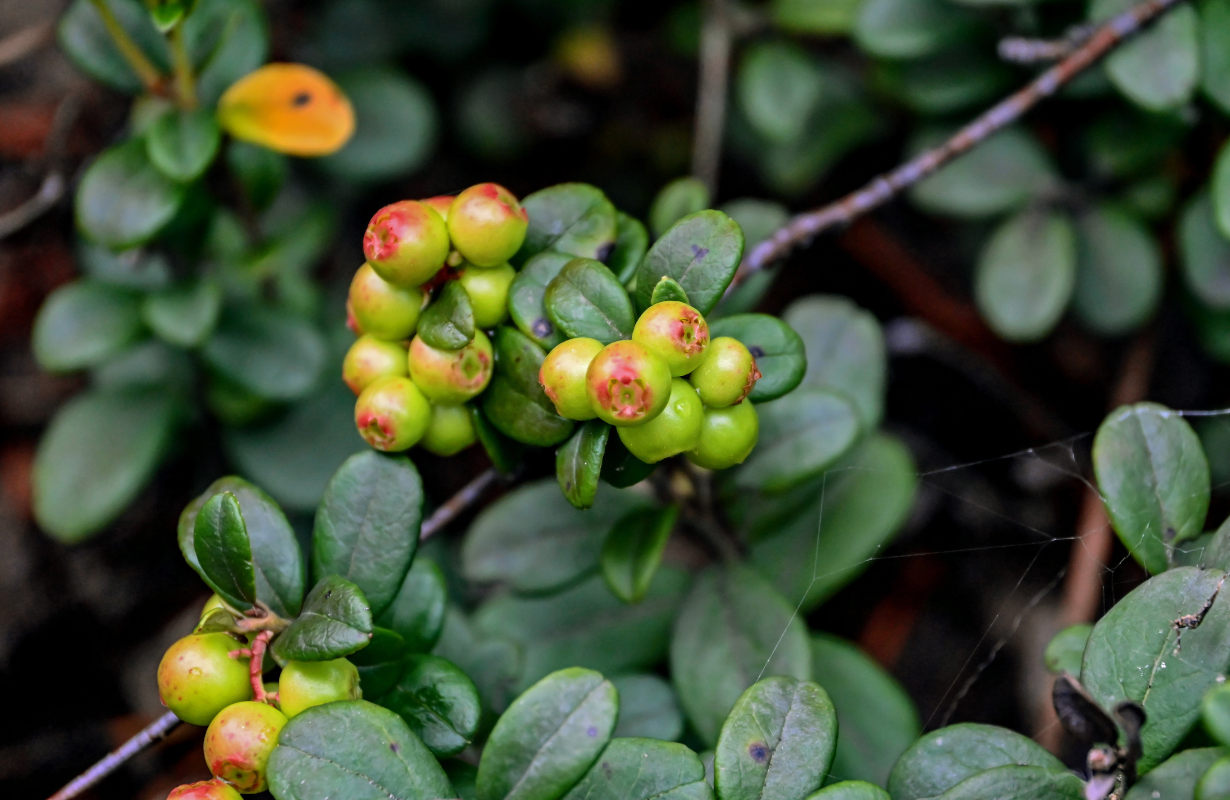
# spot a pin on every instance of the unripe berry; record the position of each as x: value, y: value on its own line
x: 487, y: 225
x: 727, y: 373
x: 675, y: 430
x: 452, y: 376
x: 406, y: 243
x: 392, y: 414
x: 312, y: 683
x: 562, y: 377
x: 627, y: 384
x: 370, y: 359
x: 440, y: 203
x: 382, y: 309
x: 450, y: 431
x: 197, y: 678
x: 488, y: 291
x: 238, y: 743
x: 727, y: 436
x: 204, y: 790
x: 674, y: 331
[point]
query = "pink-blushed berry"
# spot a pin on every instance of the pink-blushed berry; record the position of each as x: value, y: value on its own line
x: 627, y: 384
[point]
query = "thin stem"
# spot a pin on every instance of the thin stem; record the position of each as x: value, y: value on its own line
x: 715, y: 45
x: 141, y: 65
x: 156, y: 730
x: 185, y: 81
x: 467, y: 496
x: 880, y: 190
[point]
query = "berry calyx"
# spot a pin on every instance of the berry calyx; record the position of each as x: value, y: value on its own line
x: 676, y: 332
x: 727, y: 436
x: 727, y: 373
x: 450, y: 431
x: 197, y: 677
x: 627, y: 384
x: 675, y: 430
x: 488, y: 291
x: 369, y: 359
x: 304, y: 684
x: 238, y: 743
x: 204, y: 790
x: 452, y: 376
x: 406, y: 243
x: 487, y: 225
x: 392, y: 414
x: 380, y: 308
x: 563, y: 377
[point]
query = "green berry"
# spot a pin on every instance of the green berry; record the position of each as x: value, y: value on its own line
x: 451, y: 430
x: 487, y: 225
x: 488, y: 291
x: 562, y: 377
x: 727, y: 373
x: 392, y: 414
x: 627, y: 384
x: 380, y: 308
x: 204, y: 790
x: 674, y: 331
x: 369, y: 359
x: 312, y: 683
x: 238, y: 743
x: 440, y: 203
x: 406, y: 243
x: 675, y: 430
x: 727, y: 436
x: 452, y: 376
x: 197, y: 677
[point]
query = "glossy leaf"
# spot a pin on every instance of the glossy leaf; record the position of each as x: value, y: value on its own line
x: 226, y: 39
x: 367, y: 525
x: 845, y: 351
x: 396, y: 125
x: 259, y: 171
x: 633, y: 550
x: 1176, y: 776
x: 148, y: 363
x: 647, y: 708
x: 578, y: 463
x: 1020, y: 783
x: 1066, y: 649
x: 800, y: 435
x: 620, y: 468
x: 779, y: 352
x: 220, y: 539
x: 850, y: 790
x: 84, y: 38
x: 1220, y: 190
x: 675, y: 201
x: 417, y: 612
x: 1215, y: 52
x: 525, y: 298
x: 631, y: 242
x: 643, y: 769
x: 733, y: 628
x: 701, y: 252
x: 136, y: 268
x: 807, y: 17
x: 291, y: 108
x: 778, y: 87
x: 1118, y: 271
x: 122, y: 201
x: 586, y: 299
x: 184, y: 315
x: 777, y: 743
x: 1154, y: 480
x: 272, y: 354
x: 335, y: 621
x: 1205, y: 253
x: 548, y: 738
x: 514, y: 401
x: 1131, y: 654
x: 492, y: 660
x: 504, y: 454
x: 448, y: 323
x: 1002, y: 174
x: 1026, y: 274
x: 84, y: 323
x: 944, y: 758
x: 949, y: 81
x: 438, y: 701
x: 1157, y: 69
x: 356, y: 750
x: 182, y: 144
x: 908, y: 28
x: 572, y: 218
x: 668, y: 289
x: 380, y: 664
x: 97, y: 454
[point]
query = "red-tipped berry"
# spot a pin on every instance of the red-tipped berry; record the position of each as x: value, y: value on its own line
x: 627, y: 384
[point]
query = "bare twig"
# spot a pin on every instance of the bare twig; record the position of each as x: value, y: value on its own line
x: 55, y: 182
x: 156, y: 730
x: 880, y: 190
x: 145, y: 70
x: 1023, y: 50
x: 715, y: 44
x: 467, y: 496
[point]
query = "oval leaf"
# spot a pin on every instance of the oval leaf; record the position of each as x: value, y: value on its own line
x: 396, y: 125
x: 183, y: 315
x: 666, y: 290
x: 586, y: 299
x: 491, y: 660
x: 335, y: 621
x: 944, y: 758
x: 647, y: 708
x: 908, y: 28
x: 84, y: 38
x: 182, y: 144
x: 633, y: 551
x: 1019, y: 783
x: 778, y: 87
x: 578, y: 463
x: 525, y: 298
x: 800, y: 435
x: 845, y: 351
x: 778, y: 350
x: 122, y: 200
x: 226, y: 40
x: 643, y: 769
x: 1177, y: 776
x: 631, y: 242
x: 701, y: 252
x: 1205, y: 253
x: 1026, y: 274
x: 272, y: 354
x: 1118, y: 271
x: 291, y: 108
x: 84, y: 323
x: 850, y: 790
x: 1158, y: 68
x: 573, y: 218
x: 417, y: 612
x: 380, y: 663
x: 1002, y: 174
x: 675, y: 201
x: 1215, y: 52
x: 514, y: 401
x: 448, y: 323
x: 438, y: 701
x: 222, y: 549
x: 1066, y: 649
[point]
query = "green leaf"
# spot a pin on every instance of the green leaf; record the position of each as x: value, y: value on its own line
x: 272, y: 354
x: 1019, y: 783
x: 183, y: 315
x: 1176, y: 776
x: 946, y: 82
x: 1158, y: 68
x: 335, y: 621
x: 84, y: 38
x: 448, y: 323
x: 946, y: 757
x: 356, y: 750
x: 578, y: 463
x: 122, y: 200
x: 1220, y: 190
x: 84, y: 323
x: 844, y: 350
x: 226, y: 39
x: 733, y: 628
x: 525, y: 298
x: 777, y: 742
x: 97, y: 454
x: 417, y: 612
x: 505, y: 454
x: 1154, y: 480
x: 561, y: 544
x: 586, y: 299
x: 779, y: 352
x: 1131, y: 654
x: 778, y: 86
x: 647, y: 708
x: 182, y: 144
x: 701, y: 252
x: 908, y: 28
x: 850, y: 790
x: 809, y: 17
x: 548, y: 738
x: 1000, y: 175
x: 129, y: 269
x: 800, y: 435
x: 586, y: 625
x: 1026, y: 274
x: 367, y: 525
x: 643, y: 769
x: 1215, y: 713
x: 149, y: 363
x: 395, y: 125
x: 631, y: 242
x: 493, y: 661
x: 632, y: 551
x: 1216, y: 554
x: 259, y: 171
x: 223, y: 552
x: 1118, y: 271
x: 514, y: 402
x: 169, y: 13
x: 875, y: 716
x: 1066, y: 649
x: 675, y: 201
x: 1205, y: 253
x: 573, y: 218
x: 1215, y: 51
x: 666, y: 290
x: 438, y: 701
x: 620, y: 468
x: 380, y: 664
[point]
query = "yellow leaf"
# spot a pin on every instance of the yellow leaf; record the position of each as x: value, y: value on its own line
x: 291, y: 108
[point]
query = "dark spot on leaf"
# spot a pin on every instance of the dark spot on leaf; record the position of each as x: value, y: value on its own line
x: 591, y: 732
x: 393, y: 746
x: 699, y: 252
x: 1170, y: 534
x: 604, y: 251
x: 758, y: 752
x: 302, y: 99
x: 328, y: 594
x: 756, y: 350
x: 542, y: 327
x: 606, y: 769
